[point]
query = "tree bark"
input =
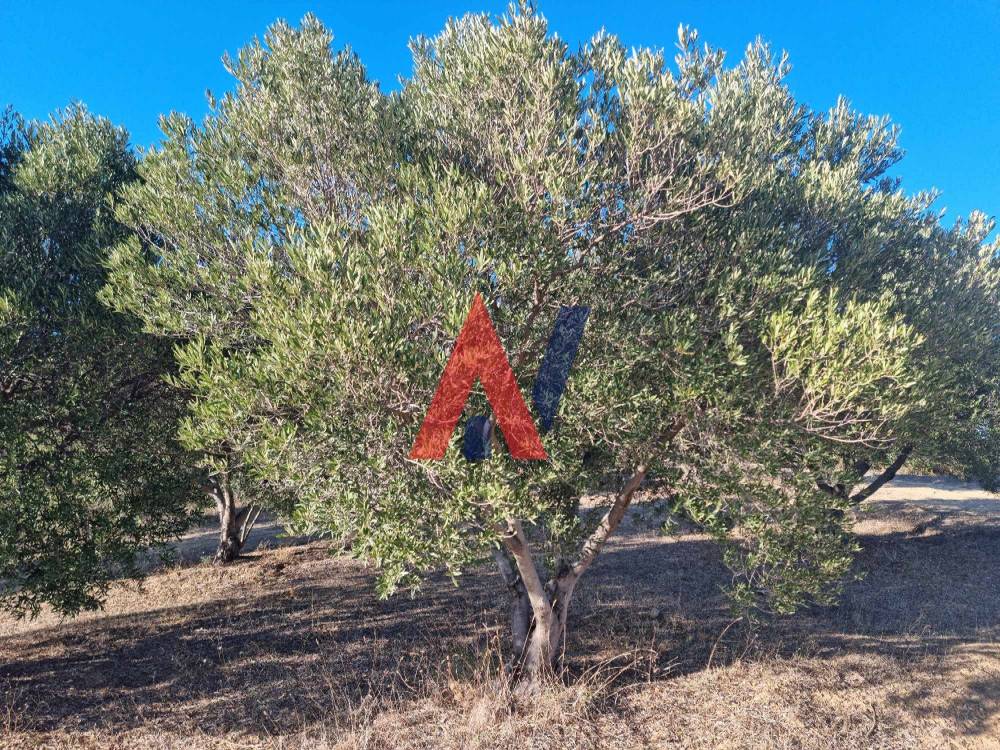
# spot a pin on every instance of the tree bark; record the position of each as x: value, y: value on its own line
x: 843, y: 492
x: 234, y: 524
x: 520, y: 607
x: 537, y: 662
x: 539, y: 611
x: 886, y: 476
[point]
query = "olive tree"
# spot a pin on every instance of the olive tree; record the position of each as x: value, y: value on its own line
x: 301, y: 138
x: 951, y: 292
x: 875, y: 243
x: 90, y: 471
x: 320, y: 302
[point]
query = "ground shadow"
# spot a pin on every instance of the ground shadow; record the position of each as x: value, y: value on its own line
x: 287, y: 652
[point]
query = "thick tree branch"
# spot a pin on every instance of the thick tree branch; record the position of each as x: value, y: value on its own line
x: 592, y: 547
x: 886, y: 476
x: 520, y: 614
x: 516, y: 543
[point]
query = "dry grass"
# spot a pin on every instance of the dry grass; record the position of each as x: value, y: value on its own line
x: 290, y: 649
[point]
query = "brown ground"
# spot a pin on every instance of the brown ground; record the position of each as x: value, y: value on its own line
x: 291, y: 649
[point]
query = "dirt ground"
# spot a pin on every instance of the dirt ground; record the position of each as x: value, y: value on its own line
x: 291, y: 649
x: 200, y: 544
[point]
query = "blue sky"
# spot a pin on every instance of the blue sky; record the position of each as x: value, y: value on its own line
x: 934, y: 66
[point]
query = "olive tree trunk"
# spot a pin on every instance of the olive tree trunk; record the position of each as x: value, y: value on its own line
x: 886, y: 476
x: 861, y: 468
x: 540, y: 609
x: 235, y: 524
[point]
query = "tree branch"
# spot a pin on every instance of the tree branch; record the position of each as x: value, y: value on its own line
x: 613, y: 517
x: 886, y: 476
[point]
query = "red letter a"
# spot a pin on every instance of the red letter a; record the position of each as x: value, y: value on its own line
x: 478, y: 353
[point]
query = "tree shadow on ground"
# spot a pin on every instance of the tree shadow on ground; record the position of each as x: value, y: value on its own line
x: 285, y: 649
x: 928, y: 602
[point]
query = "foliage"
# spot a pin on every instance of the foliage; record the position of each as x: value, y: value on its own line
x: 90, y: 473
x: 301, y: 138
x: 719, y: 230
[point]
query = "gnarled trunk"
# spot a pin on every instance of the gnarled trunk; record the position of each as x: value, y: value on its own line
x: 545, y: 648
x: 229, y: 535
x: 540, y: 611
x: 861, y: 468
x: 234, y: 524
x: 520, y: 607
x: 886, y: 476
x: 531, y: 625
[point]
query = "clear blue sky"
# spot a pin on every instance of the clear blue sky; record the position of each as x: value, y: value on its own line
x: 933, y: 65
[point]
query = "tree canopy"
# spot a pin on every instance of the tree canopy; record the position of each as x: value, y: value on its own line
x: 263, y: 305
x: 90, y: 470
x: 768, y: 307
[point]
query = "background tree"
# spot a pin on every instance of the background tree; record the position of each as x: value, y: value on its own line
x: 90, y: 471
x: 319, y: 304
x: 300, y: 139
x: 948, y: 286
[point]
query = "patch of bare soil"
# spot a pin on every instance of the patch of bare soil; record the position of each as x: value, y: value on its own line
x: 291, y: 649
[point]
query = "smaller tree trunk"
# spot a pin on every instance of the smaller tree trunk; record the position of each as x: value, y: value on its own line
x: 234, y: 524
x: 520, y: 607
x: 861, y: 468
x: 229, y: 533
